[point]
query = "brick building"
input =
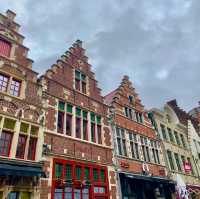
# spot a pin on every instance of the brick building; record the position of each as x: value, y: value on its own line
x: 179, y: 133
x: 138, y: 154
x: 21, y: 116
x: 78, y: 149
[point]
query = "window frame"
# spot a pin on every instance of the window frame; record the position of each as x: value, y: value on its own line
x: 121, y: 142
x: 9, y: 45
x: 9, y: 144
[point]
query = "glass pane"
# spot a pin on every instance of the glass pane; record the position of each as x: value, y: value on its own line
x: 85, y: 193
x: 102, y: 175
x: 92, y: 117
x: 68, y: 193
x: 78, y: 127
x: 78, y: 112
x: 13, y: 195
x: 77, y: 74
x: 24, y: 127
x: 68, y: 172
x: 69, y: 108
x: 87, y: 173
x: 98, y: 119
x: 58, y: 194
x: 78, y: 173
x: 77, y: 194
x: 95, y: 174
x: 61, y: 106
x: 83, y: 77
x: 58, y: 170
x: 85, y: 115
x: 34, y: 130
x: 9, y: 124
x: 68, y: 125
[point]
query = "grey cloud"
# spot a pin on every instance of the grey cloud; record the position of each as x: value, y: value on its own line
x: 135, y: 37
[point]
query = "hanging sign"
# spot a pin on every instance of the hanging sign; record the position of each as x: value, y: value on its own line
x: 187, y: 167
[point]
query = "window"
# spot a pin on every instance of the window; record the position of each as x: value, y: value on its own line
x: 121, y: 141
x: 183, y: 160
x: 80, y: 82
x: 85, y: 125
x: 5, y: 143
x: 96, y: 126
x: 32, y: 148
x: 177, y: 138
x: 21, y: 146
x: 170, y: 135
x: 58, y: 170
x: 15, y: 87
x: 78, y: 123
x: 93, y: 129
x: 129, y: 112
x: 183, y: 140
x: 145, y: 149
x: 164, y: 135
x: 134, y: 145
x: 177, y: 161
x: 155, y: 151
x: 170, y: 159
x: 5, y: 48
x: 3, y: 82
x: 131, y: 99
x: 64, y: 117
x: 99, y: 130
x: 13, y: 195
x: 139, y: 117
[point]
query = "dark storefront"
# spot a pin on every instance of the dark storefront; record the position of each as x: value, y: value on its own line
x: 144, y: 187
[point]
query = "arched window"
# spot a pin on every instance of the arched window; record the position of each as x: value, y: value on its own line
x: 5, y: 48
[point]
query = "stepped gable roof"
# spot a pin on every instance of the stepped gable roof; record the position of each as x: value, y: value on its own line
x: 182, y: 115
x: 125, y: 89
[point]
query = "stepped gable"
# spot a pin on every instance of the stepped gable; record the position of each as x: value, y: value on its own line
x: 122, y: 93
x: 63, y: 71
x: 9, y: 31
x: 182, y: 115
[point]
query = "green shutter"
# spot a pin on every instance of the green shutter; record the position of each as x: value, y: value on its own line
x: 85, y: 115
x: 69, y: 108
x: 78, y: 173
x: 95, y: 175
x: 68, y: 172
x: 77, y: 74
x: 24, y: 127
x: 87, y: 173
x: 98, y: 119
x: 61, y: 106
x: 92, y: 115
x: 78, y: 112
x: 9, y: 124
x: 58, y: 170
x: 102, y: 175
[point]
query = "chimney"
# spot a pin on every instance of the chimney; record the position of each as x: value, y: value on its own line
x: 10, y: 14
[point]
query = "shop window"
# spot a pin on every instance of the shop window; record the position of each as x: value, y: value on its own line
x: 58, y: 170
x: 134, y: 145
x: 21, y: 146
x: 15, y: 87
x: 5, y: 48
x: 78, y: 173
x: 164, y: 135
x: 32, y: 148
x: 3, y: 82
x: 9, y: 124
x: 68, y: 193
x: 170, y: 159
x: 58, y: 193
x: 80, y: 82
x: 177, y: 138
x: 177, y: 161
x: 95, y: 175
x: 171, y: 138
x: 121, y: 141
x: 5, y: 143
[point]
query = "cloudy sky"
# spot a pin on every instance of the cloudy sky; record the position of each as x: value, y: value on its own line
x: 155, y: 42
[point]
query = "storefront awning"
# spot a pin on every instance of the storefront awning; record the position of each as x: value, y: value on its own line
x: 15, y: 168
x: 146, y: 178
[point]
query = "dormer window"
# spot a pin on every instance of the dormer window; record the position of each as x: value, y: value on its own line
x: 5, y: 48
x: 10, y: 85
x: 80, y: 82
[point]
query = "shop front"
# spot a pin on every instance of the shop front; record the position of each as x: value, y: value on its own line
x: 78, y: 180
x: 19, y: 180
x: 135, y: 186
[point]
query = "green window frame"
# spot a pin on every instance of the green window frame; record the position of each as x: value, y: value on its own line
x: 58, y: 170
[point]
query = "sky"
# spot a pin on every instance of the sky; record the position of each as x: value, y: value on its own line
x: 155, y: 42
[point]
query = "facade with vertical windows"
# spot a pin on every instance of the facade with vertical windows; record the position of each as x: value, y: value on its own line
x: 176, y: 129
x: 77, y: 140
x: 21, y: 116
x: 138, y: 154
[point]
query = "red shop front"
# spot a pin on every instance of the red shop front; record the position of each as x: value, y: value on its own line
x: 77, y: 180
